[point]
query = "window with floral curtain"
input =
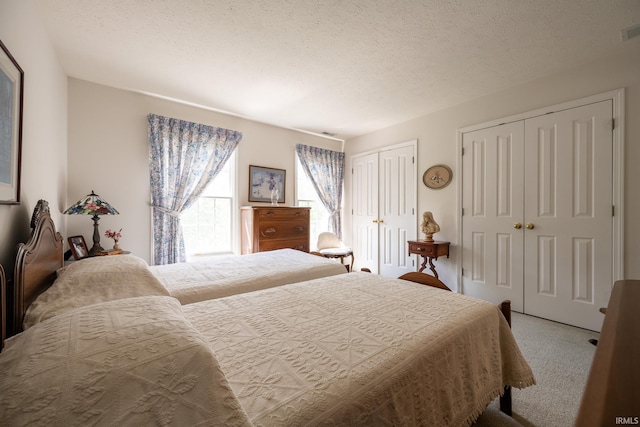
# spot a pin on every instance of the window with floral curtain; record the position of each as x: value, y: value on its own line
x: 184, y: 157
x: 325, y: 169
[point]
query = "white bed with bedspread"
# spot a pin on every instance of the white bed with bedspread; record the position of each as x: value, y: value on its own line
x: 101, y: 279
x: 229, y: 275
x: 361, y: 350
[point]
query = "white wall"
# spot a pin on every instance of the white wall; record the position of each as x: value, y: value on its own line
x: 44, y: 139
x: 437, y: 143
x: 108, y: 153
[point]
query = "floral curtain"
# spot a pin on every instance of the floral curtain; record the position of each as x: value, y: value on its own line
x: 325, y: 169
x: 184, y: 157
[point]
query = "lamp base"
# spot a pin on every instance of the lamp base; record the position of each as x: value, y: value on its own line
x: 95, y: 249
x: 96, y: 237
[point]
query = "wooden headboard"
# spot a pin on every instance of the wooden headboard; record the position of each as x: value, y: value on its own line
x: 36, y: 263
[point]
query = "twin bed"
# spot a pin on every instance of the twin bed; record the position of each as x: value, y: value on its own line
x: 342, y: 349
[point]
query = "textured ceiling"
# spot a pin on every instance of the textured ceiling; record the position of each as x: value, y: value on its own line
x: 346, y: 67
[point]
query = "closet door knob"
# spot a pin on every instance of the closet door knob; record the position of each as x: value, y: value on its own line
x: 517, y: 226
x: 529, y: 226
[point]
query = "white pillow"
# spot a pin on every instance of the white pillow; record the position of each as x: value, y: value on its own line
x: 92, y: 281
x: 130, y: 362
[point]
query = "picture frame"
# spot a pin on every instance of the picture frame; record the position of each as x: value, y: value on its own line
x: 11, y: 100
x: 78, y: 247
x: 262, y: 180
x: 437, y: 177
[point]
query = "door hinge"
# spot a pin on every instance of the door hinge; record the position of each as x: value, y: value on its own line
x: 463, y: 151
x: 613, y: 210
x: 413, y: 159
x: 413, y: 263
x: 413, y: 211
x: 613, y: 124
x: 463, y: 272
x: 462, y: 211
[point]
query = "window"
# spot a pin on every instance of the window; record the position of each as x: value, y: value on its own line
x: 307, y: 196
x: 208, y: 225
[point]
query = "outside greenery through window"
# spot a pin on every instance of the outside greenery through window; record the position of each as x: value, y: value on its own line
x: 307, y: 196
x: 207, y: 226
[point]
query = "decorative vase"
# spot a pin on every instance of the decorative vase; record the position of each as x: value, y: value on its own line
x: 275, y: 195
x: 116, y: 245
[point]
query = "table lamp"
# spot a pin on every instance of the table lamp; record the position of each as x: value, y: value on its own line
x: 92, y: 204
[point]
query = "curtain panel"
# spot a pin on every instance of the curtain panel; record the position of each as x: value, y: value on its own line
x: 184, y: 157
x: 325, y: 169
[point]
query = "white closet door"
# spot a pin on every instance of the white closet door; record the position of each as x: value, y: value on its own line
x: 568, y: 187
x: 397, y: 201
x: 493, y: 210
x: 364, y: 203
x: 537, y: 226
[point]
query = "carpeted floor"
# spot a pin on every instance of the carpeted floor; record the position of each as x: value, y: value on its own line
x: 560, y: 356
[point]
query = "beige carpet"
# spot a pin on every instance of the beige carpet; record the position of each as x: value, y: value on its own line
x: 560, y: 356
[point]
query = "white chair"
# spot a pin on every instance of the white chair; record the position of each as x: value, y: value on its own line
x: 330, y: 246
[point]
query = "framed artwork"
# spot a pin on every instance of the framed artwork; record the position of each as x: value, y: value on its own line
x: 437, y: 177
x: 11, y: 96
x: 266, y: 183
x: 78, y: 247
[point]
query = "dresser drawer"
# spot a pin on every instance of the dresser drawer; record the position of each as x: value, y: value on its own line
x: 283, y: 214
x: 271, y: 245
x: 269, y: 230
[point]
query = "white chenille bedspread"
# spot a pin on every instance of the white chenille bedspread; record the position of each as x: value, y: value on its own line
x: 129, y: 362
x: 92, y: 281
x: 230, y: 275
x: 361, y: 350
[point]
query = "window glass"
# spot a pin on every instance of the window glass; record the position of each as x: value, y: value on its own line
x: 307, y: 196
x: 207, y: 226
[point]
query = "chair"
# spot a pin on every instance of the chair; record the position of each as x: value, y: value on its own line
x: 330, y: 246
x: 424, y: 279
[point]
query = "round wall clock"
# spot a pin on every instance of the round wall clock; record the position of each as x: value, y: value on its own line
x: 438, y: 176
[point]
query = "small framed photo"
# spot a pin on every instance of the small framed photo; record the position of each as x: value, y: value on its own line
x: 78, y: 247
x: 266, y: 184
x: 11, y: 97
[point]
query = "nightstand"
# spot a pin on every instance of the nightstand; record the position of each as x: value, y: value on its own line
x: 430, y: 251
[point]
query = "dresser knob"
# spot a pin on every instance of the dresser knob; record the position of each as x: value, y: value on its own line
x: 269, y: 230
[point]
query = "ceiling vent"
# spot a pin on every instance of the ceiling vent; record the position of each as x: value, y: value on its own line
x: 631, y: 32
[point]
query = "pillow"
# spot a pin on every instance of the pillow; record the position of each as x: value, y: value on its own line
x: 91, y: 281
x: 134, y: 362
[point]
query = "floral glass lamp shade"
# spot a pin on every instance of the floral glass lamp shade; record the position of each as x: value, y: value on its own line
x: 92, y: 204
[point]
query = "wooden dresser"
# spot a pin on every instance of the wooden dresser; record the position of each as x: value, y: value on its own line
x: 274, y: 227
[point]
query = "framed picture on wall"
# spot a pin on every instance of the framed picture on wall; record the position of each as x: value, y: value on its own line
x: 78, y: 247
x: 11, y: 95
x: 266, y: 183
